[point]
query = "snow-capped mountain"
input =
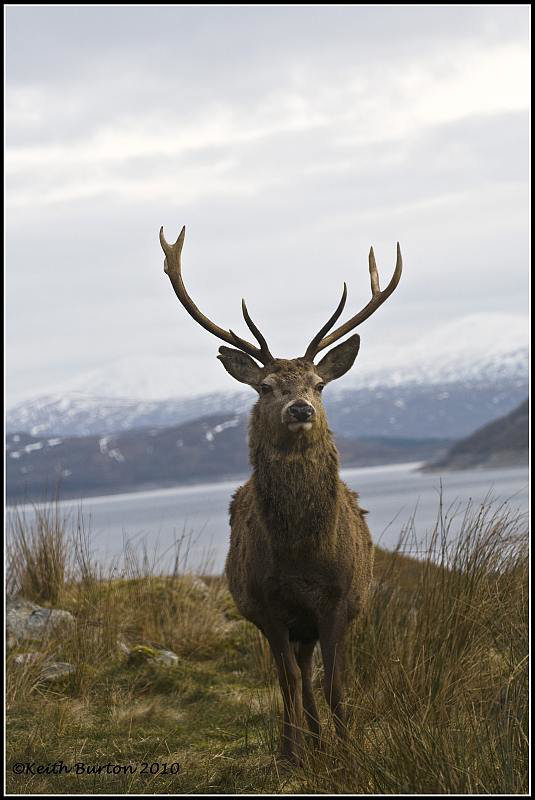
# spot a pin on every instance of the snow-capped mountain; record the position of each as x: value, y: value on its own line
x: 141, y: 377
x: 478, y: 347
x: 77, y: 414
x: 446, y: 383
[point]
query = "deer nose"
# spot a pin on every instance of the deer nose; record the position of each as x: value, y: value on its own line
x: 301, y: 411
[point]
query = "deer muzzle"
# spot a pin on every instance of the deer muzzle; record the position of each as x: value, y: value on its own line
x: 298, y: 415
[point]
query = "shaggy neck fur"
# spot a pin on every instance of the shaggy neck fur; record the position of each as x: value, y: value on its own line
x: 295, y: 476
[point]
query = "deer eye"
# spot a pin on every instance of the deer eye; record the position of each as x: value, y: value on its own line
x: 319, y: 387
x: 265, y: 388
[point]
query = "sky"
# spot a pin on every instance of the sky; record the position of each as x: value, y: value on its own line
x: 288, y: 140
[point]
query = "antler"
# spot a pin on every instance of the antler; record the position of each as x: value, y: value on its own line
x: 173, y: 267
x: 313, y: 348
x: 320, y: 341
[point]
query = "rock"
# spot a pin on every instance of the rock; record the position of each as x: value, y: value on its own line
x: 198, y: 585
x: 23, y: 659
x: 123, y: 647
x: 27, y: 620
x: 50, y: 671
x: 167, y: 657
x: 56, y: 669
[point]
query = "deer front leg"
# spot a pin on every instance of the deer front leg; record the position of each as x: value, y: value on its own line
x: 290, y: 685
x: 331, y: 632
x: 304, y: 653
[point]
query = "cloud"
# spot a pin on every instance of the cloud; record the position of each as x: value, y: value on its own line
x: 288, y: 141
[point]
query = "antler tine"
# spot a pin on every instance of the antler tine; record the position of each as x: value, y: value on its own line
x: 374, y: 275
x: 256, y: 333
x: 312, y: 348
x: 378, y: 298
x: 173, y: 268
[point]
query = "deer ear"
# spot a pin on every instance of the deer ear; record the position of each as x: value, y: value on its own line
x: 240, y: 366
x: 338, y: 360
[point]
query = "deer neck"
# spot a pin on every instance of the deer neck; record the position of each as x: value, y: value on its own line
x: 296, y: 481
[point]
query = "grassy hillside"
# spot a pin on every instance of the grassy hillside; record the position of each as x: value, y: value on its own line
x: 436, y: 674
x: 502, y: 443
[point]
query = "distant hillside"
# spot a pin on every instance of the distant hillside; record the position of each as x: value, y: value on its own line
x: 209, y: 449
x: 414, y: 410
x: 501, y: 443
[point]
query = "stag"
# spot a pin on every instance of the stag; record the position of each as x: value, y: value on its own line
x: 301, y: 556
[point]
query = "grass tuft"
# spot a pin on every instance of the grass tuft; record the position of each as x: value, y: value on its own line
x: 437, y: 672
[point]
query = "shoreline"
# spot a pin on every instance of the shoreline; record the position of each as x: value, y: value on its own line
x: 221, y: 485
x: 192, y: 488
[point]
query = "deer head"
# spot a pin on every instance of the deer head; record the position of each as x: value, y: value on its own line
x: 289, y: 389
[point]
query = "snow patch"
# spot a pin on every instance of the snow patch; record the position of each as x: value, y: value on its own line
x: 224, y: 425
x: 114, y: 453
x: 103, y: 444
x: 231, y: 423
x: 31, y: 447
x: 35, y: 429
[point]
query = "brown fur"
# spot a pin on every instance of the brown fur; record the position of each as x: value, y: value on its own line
x: 300, y: 560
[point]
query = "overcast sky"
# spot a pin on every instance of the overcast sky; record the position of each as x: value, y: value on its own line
x: 287, y: 140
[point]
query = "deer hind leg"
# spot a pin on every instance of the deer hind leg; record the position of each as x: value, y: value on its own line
x: 290, y: 685
x: 331, y: 639
x: 304, y: 654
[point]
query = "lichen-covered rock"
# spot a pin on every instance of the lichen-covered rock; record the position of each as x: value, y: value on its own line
x: 141, y: 653
x: 26, y: 620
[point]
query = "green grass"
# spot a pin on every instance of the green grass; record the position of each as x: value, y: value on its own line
x: 436, y: 674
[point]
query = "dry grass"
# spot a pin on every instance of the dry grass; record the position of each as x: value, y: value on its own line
x: 38, y: 554
x: 437, y: 673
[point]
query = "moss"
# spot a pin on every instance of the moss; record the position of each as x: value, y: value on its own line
x: 140, y: 654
